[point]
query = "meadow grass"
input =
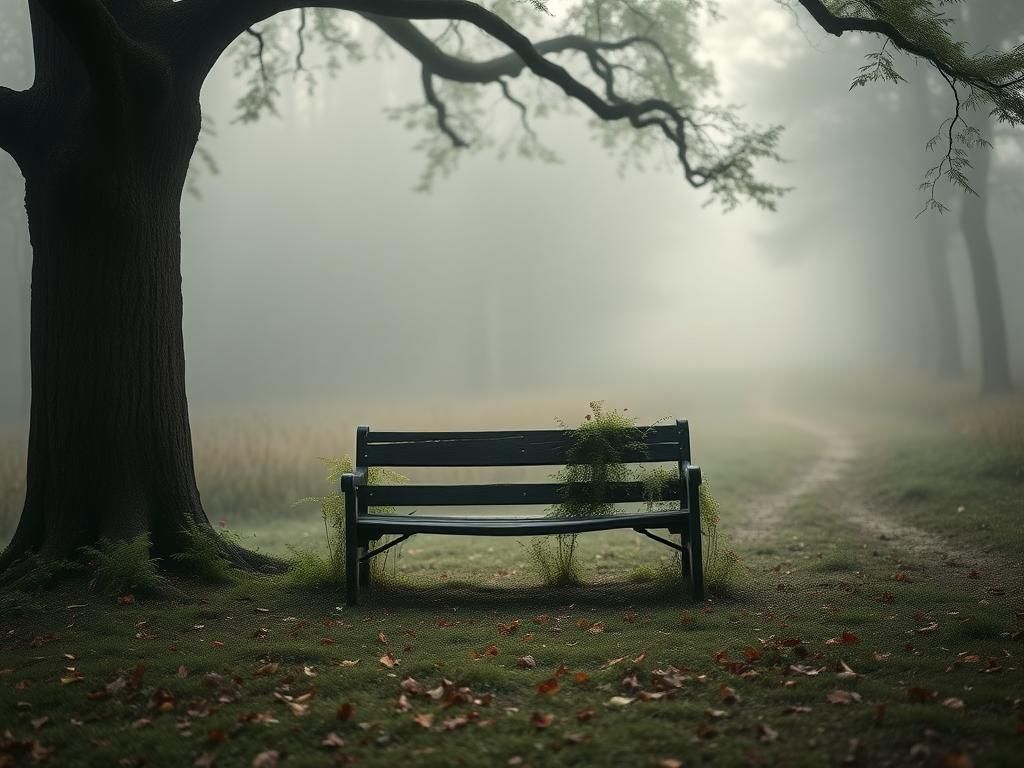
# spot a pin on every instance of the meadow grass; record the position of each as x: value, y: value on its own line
x: 833, y: 646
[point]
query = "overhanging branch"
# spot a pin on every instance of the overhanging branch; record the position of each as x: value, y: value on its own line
x: 839, y: 25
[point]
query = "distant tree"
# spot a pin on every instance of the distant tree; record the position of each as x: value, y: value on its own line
x: 994, y: 22
x: 104, y: 138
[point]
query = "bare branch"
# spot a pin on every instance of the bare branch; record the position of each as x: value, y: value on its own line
x: 523, y: 114
x: 302, y: 41
x: 442, y: 111
x: 261, y: 47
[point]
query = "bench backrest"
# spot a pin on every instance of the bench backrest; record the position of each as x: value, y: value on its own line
x: 549, y: 447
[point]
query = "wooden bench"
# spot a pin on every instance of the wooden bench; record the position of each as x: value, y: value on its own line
x: 505, y: 449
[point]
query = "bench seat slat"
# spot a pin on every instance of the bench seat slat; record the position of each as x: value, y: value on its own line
x: 512, y: 452
x: 381, y: 525
x: 659, y: 434
x: 505, y: 493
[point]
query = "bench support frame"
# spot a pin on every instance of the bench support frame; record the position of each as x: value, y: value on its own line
x: 360, y: 526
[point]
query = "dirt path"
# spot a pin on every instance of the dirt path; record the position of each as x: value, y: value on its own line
x: 837, y: 455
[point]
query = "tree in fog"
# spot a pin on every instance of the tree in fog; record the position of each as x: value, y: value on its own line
x: 105, y: 134
x: 991, y: 23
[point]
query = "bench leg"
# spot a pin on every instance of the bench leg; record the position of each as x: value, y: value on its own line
x: 693, y: 548
x: 351, y: 551
x: 364, y: 569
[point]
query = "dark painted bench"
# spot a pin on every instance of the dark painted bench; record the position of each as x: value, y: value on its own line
x: 505, y: 449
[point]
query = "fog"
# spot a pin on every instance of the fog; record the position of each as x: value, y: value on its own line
x: 313, y: 271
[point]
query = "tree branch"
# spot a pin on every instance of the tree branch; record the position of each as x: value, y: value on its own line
x: 839, y: 25
x: 214, y: 24
x: 427, y: 78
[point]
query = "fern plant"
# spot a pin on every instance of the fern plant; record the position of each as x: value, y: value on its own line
x: 203, y: 554
x: 124, y: 565
x: 596, y: 460
x: 311, y: 569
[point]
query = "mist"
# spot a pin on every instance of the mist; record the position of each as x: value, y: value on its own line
x: 313, y: 271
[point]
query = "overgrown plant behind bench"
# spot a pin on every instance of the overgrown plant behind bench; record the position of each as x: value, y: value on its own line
x: 363, y: 527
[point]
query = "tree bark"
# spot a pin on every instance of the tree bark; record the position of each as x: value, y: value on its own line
x: 995, y: 363
x: 110, y: 448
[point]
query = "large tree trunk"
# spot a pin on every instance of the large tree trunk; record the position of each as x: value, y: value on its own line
x: 110, y: 449
x: 995, y: 362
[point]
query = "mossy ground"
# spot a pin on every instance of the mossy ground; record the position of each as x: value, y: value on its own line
x: 930, y: 638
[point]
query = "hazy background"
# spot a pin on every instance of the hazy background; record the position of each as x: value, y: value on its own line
x: 313, y: 273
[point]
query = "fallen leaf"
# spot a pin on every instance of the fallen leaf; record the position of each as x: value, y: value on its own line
x: 921, y: 695
x: 424, y: 720
x: 332, y: 741
x: 526, y: 662
x: 620, y: 701
x: 930, y: 628
x: 957, y: 760
x: 728, y: 694
x: 843, y: 671
x: 585, y: 714
x: 839, y: 696
x: 39, y: 722
x: 953, y: 703
x: 540, y: 720
x: 766, y: 733
x: 612, y: 662
x: 345, y: 663
x: 382, y: 638
x: 510, y: 628
x: 205, y: 760
x: 266, y: 759
x: 549, y: 687
x: 345, y: 711
x: 581, y: 678
x: 267, y: 669
x: 388, y: 660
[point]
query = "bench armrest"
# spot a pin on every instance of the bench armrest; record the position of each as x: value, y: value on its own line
x: 351, y: 480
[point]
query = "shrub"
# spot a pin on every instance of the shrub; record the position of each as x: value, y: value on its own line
x: 311, y: 569
x: 203, y: 555
x: 122, y: 566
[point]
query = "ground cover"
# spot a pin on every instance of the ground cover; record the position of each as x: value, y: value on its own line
x: 839, y: 642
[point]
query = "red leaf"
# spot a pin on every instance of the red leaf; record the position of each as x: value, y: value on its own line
x: 549, y: 687
x: 540, y: 720
x: 345, y: 711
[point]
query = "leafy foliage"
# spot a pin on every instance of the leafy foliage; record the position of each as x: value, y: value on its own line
x: 310, y: 568
x: 599, y: 444
x: 203, y: 554
x: 124, y: 565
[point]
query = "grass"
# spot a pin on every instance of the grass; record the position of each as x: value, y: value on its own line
x: 963, y: 480
x: 931, y: 645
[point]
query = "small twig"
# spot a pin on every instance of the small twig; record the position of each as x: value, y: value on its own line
x: 427, y: 79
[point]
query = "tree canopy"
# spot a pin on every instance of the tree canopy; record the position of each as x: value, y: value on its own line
x: 634, y: 64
